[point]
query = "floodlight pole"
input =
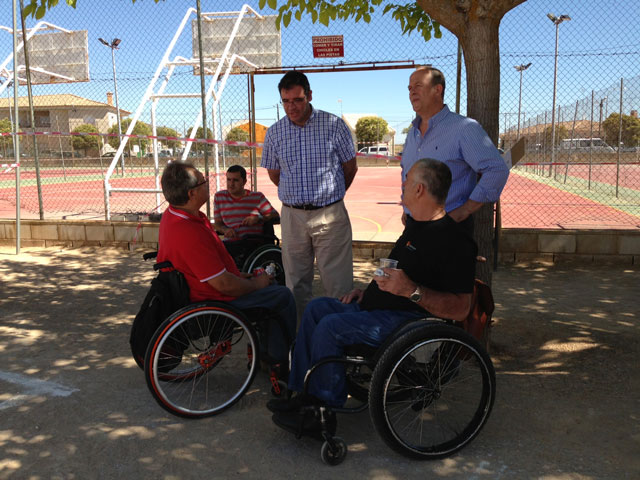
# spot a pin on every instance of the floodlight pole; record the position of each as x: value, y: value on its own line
x: 114, y: 46
x: 16, y: 138
x: 556, y: 21
x: 520, y: 68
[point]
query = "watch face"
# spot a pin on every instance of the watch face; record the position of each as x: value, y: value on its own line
x: 416, y: 296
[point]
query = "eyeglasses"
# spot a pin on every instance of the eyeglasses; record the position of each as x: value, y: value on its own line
x: 206, y: 180
x: 293, y: 101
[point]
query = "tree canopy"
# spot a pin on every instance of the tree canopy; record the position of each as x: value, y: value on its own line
x: 630, y: 130
x: 168, y: 132
x: 561, y: 133
x: 140, y: 128
x: 237, y: 134
x: 199, y: 147
x: 86, y: 142
x: 5, y: 127
x: 37, y: 8
x: 371, y: 129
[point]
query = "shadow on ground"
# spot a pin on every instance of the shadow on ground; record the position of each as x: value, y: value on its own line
x: 73, y: 403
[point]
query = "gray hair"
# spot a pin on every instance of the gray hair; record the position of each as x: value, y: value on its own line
x: 177, y: 179
x: 435, y: 176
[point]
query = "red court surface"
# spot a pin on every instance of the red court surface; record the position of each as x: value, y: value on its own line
x: 372, y: 201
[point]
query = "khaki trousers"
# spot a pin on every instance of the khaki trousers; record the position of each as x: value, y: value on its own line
x: 323, y: 235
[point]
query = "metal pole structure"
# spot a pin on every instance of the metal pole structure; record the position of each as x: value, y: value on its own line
x: 204, y: 102
x: 520, y: 68
x: 458, y: 77
x: 16, y: 138
x: 115, y: 88
x: 253, y: 155
x: 36, y: 160
x: 557, y: 21
x: 591, y: 142
x: 114, y: 46
x: 619, y: 138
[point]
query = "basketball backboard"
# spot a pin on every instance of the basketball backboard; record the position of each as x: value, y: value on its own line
x: 57, y: 57
x: 257, y: 40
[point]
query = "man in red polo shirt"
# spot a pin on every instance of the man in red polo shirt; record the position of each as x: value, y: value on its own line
x: 189, y: 242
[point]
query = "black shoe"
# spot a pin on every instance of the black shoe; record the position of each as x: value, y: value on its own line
x: 307, y: 421
x: 278, y: 405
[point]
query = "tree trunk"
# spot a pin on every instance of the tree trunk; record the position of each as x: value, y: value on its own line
x: 483, y: 103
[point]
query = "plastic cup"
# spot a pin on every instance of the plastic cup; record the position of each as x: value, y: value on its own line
x: 388, y: 263
x: 385, y: 263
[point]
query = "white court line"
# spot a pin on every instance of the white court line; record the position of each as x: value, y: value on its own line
x: 32, y: 387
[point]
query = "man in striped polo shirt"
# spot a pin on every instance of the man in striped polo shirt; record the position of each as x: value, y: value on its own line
x: 239, y: 212
x: 479, y: 172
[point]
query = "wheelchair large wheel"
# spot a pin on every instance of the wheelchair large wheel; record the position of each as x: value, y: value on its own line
x: 264, y: 256
x: 432, y: 391
x: 201, y: 360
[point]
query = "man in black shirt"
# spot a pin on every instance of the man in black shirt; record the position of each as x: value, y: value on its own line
x: 434, y: 276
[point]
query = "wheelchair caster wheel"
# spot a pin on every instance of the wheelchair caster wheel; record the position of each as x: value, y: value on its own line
x: 334, y: 455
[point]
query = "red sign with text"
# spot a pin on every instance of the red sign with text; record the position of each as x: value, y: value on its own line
x: 328, y: 46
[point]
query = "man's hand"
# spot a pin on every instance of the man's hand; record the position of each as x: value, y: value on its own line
x: 465, y: 210
x: 355, y: 294
x: 251, y: 220
x: 229, y: 233
x: 261, y: 281
x: 395, y: 281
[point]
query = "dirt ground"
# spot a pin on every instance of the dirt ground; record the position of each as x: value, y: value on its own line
x: 73, y: 404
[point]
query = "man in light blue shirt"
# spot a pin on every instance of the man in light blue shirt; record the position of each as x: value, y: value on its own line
x: 479, y: 172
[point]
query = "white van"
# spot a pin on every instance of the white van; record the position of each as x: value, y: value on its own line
x: 375, y: 150
x: 585, y: 145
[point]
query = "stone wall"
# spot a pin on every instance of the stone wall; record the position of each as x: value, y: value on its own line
x: 515, y: 245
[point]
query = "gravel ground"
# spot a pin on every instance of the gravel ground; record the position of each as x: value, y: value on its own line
x: 73, y: 404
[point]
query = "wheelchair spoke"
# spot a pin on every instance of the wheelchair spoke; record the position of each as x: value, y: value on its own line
x: 213, y: 367
x: 437, y: 388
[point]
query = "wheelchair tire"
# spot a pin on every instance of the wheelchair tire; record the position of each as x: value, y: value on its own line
x: 432, y: 391
x: 264, y: 256
x: 201, y: 360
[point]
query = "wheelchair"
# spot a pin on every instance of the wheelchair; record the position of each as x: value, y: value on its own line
x: 429, y: 387
x: 203, y: 357
x: 259, y: 251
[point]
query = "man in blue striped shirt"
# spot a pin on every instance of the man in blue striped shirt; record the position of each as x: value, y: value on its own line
x: 479, y: 172
x: 310, y: 156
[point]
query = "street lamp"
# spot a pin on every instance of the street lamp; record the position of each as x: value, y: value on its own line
x: 520, y: 68
x: 340, y: 102
x: 114, y: 46
x: 556, y: 21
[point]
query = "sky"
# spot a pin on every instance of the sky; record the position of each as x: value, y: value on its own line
x: 598, y: 47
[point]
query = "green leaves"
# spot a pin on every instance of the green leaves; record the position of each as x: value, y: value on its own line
x: 411, y: 16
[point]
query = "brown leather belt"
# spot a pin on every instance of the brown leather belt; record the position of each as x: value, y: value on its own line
x: 308, y: 206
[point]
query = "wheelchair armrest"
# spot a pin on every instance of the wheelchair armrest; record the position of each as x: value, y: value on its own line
x: 161, y: 265
x: 261, y: 236
x: 149, y: 255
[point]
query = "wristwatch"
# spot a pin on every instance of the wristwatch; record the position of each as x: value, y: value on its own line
x: 416, y: 296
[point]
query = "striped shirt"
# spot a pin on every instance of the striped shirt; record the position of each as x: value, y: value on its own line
x: 309, y: 158
x: 463, y: 145
x: 232, y: 211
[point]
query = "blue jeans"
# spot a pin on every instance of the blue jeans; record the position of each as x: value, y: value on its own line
x: 329, y: 325
x: 279, y: 300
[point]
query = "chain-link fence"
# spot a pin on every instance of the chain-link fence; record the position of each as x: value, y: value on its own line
x: 571, y: 80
